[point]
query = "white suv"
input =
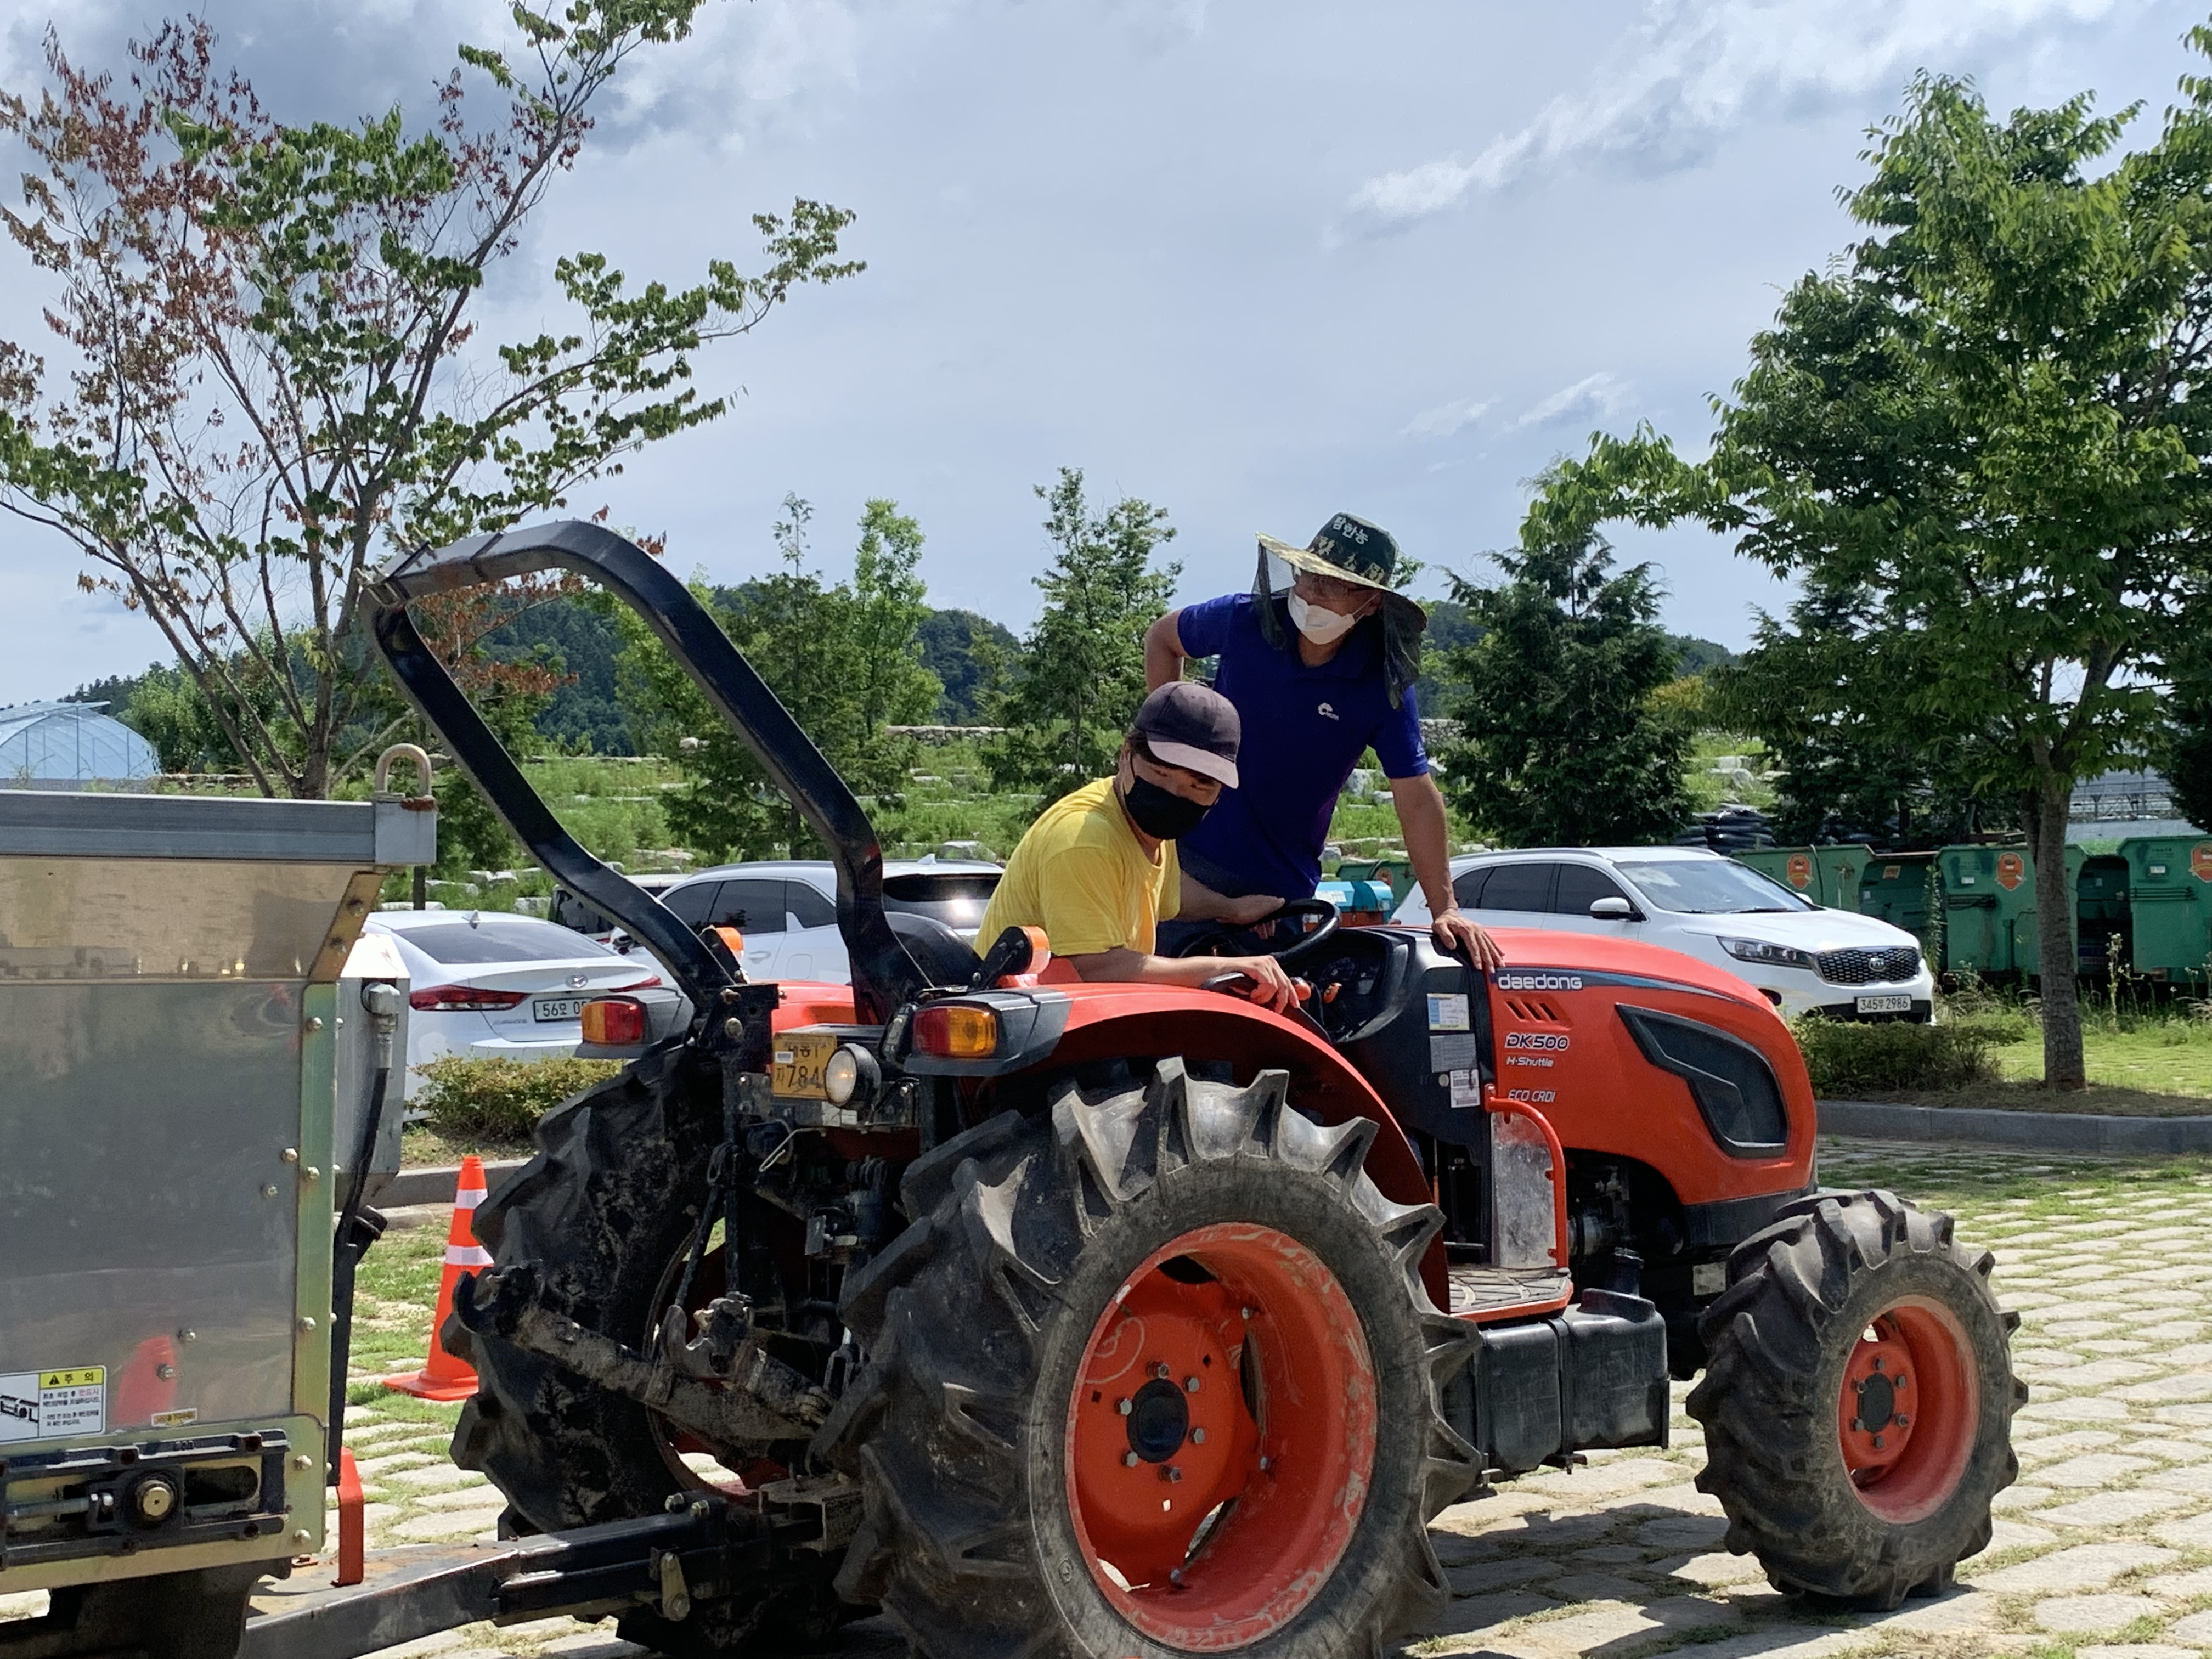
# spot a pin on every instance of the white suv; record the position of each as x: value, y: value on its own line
x: 1804, y: 957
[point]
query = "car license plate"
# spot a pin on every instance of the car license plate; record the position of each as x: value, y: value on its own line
x: 559, y: 1007
x: 800, y: 1057
x: 1886, y: 1005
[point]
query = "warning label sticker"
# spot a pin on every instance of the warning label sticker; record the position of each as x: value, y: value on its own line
x: 48, y: 1405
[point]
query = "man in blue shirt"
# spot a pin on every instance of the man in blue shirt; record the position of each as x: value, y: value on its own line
x: 1319, y: 674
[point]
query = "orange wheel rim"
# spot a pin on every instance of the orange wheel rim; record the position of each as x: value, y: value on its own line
x: 1908, y: 1410
x: 1221, y: 1438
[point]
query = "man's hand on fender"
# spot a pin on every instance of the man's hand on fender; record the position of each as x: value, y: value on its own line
x: 1271, y: 985
x: 1454, y: 932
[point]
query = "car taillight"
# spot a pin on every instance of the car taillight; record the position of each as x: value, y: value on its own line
x: 953, y: 1031
x: 613, y: 1023
x: 457, y: 998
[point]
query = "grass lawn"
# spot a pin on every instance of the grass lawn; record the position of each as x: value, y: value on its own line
x: 2155, y: 1064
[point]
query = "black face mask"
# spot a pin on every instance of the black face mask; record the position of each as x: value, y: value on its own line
x: 1161, y: 813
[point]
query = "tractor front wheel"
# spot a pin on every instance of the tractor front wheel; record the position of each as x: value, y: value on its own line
x: 1857, y: 1401
x: 1154, y: 1375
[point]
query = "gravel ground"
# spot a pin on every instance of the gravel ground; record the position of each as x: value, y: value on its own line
x: 2103, y: 1550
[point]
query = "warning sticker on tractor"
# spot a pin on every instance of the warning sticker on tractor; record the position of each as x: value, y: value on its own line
x: 47, y: 1405
x: 1466, y: 1089
x: 1449, y: 1013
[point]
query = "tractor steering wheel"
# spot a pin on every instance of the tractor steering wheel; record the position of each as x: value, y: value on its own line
x: 1227, y: 939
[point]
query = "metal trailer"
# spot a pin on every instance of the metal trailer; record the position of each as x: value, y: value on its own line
x: 180, y: 1010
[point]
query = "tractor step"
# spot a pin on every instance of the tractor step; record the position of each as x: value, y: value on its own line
x: 1479, y: 1292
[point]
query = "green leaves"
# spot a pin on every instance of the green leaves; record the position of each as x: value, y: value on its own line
x: 1080, y: 672
x: 844, y: 658
x: 1562, y: 742
x: 274, y: 374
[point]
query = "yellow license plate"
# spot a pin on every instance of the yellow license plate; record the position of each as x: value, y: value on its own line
x: 800, y: 1057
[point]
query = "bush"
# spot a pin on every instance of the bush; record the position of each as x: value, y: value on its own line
x: 1846, y: 1058
x: 500, y: 1099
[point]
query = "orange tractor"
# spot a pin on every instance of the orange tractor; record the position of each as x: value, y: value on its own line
x: 1097, y: 1321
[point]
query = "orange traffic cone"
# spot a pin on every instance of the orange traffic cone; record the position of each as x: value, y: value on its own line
x: 443, y: 1376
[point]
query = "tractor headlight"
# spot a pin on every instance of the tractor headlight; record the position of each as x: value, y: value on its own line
x: 851, y: 1071
x: 1772, y: 955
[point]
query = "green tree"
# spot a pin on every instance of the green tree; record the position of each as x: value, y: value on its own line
x: 843, y: 658
x: 967, y: 653
x: 272, y: 379
x: 1561, y: 742
x: 893, y: 687
x: 1981, y: 432
x: 1079, y: 674
x: 1849, y: 771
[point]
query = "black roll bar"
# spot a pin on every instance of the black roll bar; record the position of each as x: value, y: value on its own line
x: 884, y: 975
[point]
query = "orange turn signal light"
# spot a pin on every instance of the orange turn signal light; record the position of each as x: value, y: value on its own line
x: 614, y: 1023
x: 953, y: 1031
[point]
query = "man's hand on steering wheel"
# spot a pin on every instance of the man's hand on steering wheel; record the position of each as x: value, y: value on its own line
x: 1254, y: 907
x: 1455, y: 933
x: 1271, y: 985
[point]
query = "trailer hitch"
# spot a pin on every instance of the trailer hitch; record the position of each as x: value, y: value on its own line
x: 707, y: 1550
x: 723, y: 1386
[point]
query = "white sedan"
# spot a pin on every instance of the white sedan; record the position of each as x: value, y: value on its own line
x: 492, y: 985
x: 1805, y: 958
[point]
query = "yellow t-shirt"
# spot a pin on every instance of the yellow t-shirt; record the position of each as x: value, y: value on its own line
x: 1080, y: 875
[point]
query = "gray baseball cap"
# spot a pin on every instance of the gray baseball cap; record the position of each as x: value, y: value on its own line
x: 1192, y: 726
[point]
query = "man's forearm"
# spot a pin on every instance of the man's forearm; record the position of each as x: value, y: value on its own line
x: 1420, y: 808
x: 1164, y: 654
x: 1124, y: 966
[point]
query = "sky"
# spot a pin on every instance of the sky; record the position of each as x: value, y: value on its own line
x: 1254, y: 262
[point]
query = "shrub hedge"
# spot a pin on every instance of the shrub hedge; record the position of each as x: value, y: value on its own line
x: 467, y: 1099
x: 1847, y: 1058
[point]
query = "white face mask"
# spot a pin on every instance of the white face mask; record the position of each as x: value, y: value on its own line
x: 1319, y: 625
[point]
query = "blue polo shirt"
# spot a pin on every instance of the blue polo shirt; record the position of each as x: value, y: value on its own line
x: 1305, y: 730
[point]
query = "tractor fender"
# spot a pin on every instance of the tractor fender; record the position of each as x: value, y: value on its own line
x: 1143, y: 1021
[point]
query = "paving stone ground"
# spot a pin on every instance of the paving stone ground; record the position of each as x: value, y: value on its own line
x: 2103, y: 1550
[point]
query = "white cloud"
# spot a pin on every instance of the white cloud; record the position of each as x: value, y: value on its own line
x: 1446, y: 418
x: 1597, y: 397
x: 1693, y: 71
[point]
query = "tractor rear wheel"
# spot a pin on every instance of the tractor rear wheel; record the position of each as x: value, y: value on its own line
x: 604, y: 1213
x: 1152, y: 1375
x: 1857, y: 1401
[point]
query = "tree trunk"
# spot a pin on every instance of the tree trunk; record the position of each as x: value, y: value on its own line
x: 2045, y: 816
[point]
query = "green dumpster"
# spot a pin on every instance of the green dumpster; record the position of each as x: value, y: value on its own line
x: 1894, y: 886
x: 2170, y: 901
x: 1838, y: 873
x: 1988, y: 907
x: 1982, y: 888
x: 1794, y: 867
x: 2104, y: 919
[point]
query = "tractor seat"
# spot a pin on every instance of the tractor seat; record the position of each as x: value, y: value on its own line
x: 941, y: 953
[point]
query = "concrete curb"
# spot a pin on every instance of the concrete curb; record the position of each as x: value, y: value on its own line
x: 2053, y: 1132
x: 435, y: 1185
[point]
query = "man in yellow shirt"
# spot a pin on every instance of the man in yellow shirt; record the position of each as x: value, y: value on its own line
x: 1097, y: 870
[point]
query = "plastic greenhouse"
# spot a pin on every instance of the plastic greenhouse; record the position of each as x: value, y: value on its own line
x: 71, y: 745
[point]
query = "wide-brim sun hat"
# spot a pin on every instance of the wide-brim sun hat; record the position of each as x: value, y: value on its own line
x: 1351, y: 549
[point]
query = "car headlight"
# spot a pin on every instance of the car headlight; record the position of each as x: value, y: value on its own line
x: 1771, y: 956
